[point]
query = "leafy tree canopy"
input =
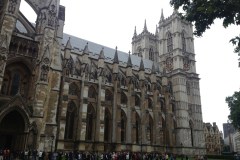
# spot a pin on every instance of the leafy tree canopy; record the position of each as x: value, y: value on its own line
x: 234, y: 106
x: 203, y: 13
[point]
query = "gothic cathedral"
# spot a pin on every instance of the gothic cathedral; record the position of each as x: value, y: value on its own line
x: 59, y: 92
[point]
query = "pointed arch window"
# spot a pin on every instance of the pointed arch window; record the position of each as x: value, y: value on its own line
x: 169, y: 42
x: 151, y: 54
x: 123, y: 126
x: 183, y: 42
x: 73, y: 89
x: 90, y: 123
x: 70, y: 120
x: 150, y: 130
x: 15, y: 84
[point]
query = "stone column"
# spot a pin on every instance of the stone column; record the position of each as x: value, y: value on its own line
x: 143, y: 115
x: 114, y: 119
x: 99, y: 132
x: 129, y: 117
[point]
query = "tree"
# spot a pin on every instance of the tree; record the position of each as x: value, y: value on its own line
x: 203, y: 13
x: 234, y: 106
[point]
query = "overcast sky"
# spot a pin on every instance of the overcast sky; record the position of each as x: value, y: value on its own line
x: 111, y: 23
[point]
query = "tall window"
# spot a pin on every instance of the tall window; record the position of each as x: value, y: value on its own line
x: 70, y: 120
x: 169, y: 42
x: 123, y: 126
x: 183, y: 43
x: 149, y: 130
x: 138, y: 124
x: 15, y: 84
x: 151, y: 54
x: 107, y: 126
x: 90, y: 123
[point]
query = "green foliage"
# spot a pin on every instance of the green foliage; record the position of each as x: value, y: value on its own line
x: 234, y: 107
x: 203, y: 13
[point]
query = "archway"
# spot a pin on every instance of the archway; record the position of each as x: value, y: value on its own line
x: 12, y: 133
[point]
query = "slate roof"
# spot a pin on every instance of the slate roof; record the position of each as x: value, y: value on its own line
x: 79, y: 43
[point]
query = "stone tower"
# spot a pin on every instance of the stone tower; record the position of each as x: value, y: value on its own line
x: 173, y: 49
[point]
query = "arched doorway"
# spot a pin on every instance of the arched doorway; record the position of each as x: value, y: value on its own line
x: 12, y: 128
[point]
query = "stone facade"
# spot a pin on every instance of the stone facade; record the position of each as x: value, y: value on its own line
x: 213, y: 138
x: 60, y: 94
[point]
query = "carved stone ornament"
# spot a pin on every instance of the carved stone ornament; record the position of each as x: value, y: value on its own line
x: 12, y: 6
x: 44, y: 73
x: 41, y: 20
x: 52, y: 16
x: 186, y: 64
x: 169, y: 64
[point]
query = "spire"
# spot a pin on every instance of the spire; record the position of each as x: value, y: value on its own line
x: 156, y: 33
x: 141, y: 68
x: 101, y: 55
x: 162, y: 17
x: 135, y: 32
x: 145, y: 26
x: 85, y: 50
x: 153, y: 68
x: 129, y: 62
x: 115, y: 59
x: 68, y: 45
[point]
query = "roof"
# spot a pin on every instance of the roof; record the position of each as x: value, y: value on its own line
x: 79, y: 43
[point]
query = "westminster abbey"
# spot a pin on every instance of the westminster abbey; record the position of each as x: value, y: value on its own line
x: 59, y: 92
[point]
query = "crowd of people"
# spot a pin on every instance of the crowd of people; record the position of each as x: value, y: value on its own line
x: 6, y: 154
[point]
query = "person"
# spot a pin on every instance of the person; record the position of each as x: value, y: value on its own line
x: 1, y: 154
x: 186, y: 157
